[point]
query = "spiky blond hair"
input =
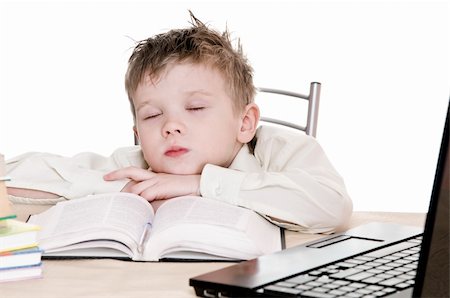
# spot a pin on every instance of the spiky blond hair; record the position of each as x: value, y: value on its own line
x: 197, y: 44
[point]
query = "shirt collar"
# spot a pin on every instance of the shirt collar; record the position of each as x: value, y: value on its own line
x: 245, y: 161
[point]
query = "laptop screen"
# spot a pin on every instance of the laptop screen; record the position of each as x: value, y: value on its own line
x: 433, y: 269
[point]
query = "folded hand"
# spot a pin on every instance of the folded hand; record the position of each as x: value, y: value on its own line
x: 156, y: 186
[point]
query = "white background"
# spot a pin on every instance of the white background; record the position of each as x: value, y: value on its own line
x: 383, y: 65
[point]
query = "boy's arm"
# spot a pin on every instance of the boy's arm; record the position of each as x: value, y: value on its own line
x: 289, y: 180
x: 43, y: 175
x: 30, y: 193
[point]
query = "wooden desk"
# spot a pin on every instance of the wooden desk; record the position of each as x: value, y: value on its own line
x: 114, y: 278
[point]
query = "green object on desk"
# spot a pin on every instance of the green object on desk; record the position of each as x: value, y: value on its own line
x: 11, y: 216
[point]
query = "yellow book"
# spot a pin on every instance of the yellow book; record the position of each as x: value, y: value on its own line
x: 17, y: 235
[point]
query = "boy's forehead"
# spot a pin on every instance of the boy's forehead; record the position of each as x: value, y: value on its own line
x: 196, y: 74
x: 203, y: 78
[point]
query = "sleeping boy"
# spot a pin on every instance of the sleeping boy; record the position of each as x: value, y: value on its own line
x: 192, y: 98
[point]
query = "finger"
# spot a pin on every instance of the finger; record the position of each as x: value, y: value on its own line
x: 128, y: 186
x: 160, y: 191
x: 154, y: 190
x: 151, y: 194
x: 140, y: 187
x: 133, y: 173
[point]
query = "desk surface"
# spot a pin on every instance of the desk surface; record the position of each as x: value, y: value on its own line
x: 115, y: 278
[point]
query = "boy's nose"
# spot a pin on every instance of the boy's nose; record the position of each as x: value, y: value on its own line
x: 173, y: 128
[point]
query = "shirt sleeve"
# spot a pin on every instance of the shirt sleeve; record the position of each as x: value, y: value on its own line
x: 295, y: 187
x: 69, y: 177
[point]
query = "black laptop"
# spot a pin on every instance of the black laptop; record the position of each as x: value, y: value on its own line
x: 373, y: 260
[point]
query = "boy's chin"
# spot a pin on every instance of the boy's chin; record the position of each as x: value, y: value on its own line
x: 182, y: 171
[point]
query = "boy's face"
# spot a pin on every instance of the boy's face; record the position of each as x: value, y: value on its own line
x: 185, y: 119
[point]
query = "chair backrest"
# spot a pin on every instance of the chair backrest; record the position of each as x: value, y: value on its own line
x: 313, y: 108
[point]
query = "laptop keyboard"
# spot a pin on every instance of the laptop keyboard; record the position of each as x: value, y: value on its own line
x: 374, y: 274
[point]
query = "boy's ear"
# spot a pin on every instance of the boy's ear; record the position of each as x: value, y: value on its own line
x: 249, y: 123
x: 136, y: 135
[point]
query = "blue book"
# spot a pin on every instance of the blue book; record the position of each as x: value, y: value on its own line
x: 20, y: 258
x: 21, y: 273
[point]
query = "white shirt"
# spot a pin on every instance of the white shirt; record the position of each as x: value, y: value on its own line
x: 288, y: 179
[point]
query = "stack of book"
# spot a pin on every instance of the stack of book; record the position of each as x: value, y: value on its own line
x: 20, y: 256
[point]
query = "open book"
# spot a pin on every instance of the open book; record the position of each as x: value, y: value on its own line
x: 123, y: 225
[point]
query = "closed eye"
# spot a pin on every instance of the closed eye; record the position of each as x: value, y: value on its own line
x: 195, y: 109
x: 151, y: 116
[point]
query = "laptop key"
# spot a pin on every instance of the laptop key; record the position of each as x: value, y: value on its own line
x: 364, y: 291
x: 314, y: 284
x: 347, y: 289
x: 285, y: 284
x: 336, y: 293
x: 384, y: 276
x: 375, y: 271
x: 384, y: 267
x: 353, y: 295
x: 303, y: 287
x: 363, y: 267
x: 394, y: 272
x: 403, y: 269
x: 316, y: 273
x: 374, y: 287
x: 281, y: 291
x: 392, y: 281
x: 316, y: 295
x: 341, y: 282
x: 355, y: 261
x: 417, y: 240
x: 360, y: 276
x: 394, y: 264
x: 301, y: 279
x: 373, y: 280
x: 382, y: 261
x: 321, y: 290
x: 357, y: 285
x: 403, y: 285
x: 331, y: 286
x: 392, y: 257
x: 345, y: 273
x: 411, y: 266
x: 345, y: 265
x: 411, y: 258
x: 389, y: 290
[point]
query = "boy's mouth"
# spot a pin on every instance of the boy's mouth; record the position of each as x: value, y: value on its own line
x: 176, y: 151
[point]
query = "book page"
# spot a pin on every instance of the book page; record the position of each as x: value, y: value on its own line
x: 191, y: 209
x: 120, y: 216
x: 196, y: 224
